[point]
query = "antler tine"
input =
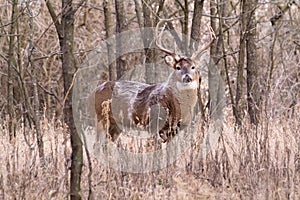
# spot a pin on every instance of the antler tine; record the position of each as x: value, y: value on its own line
x: 200, y: 51
x: 158, y: 37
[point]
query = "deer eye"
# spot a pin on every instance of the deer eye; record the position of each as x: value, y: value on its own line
x: 178, y: 68
x: 193, y: 67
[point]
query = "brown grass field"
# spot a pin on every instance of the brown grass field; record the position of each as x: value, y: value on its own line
x: 246, y: 164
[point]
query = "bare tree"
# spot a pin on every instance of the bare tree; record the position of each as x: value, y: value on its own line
x: 248, y: 51
x: 65, y: 31
x: 69, y: 70
x: 36, y: 105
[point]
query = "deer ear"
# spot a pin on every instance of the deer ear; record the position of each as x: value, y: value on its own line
x: 170, y: 61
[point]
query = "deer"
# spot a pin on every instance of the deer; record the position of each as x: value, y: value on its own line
x: 121, y: 104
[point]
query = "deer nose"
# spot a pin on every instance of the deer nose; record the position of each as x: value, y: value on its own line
x: 187, y: 79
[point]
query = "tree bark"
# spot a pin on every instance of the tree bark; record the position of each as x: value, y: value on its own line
x: 11, y: 74
x: 109, y: 33
x: 185, y: 27
x: 65, y: 32
x: 138, y: 11
x: 240, y: 67
x: 253, y: 95
x: 194, y: 41
x: 196, y: 25
x: 69, y: 70
x: 147, y: 40
x: 120, y: 27
x: 215, y: 84
x: 36, y: 104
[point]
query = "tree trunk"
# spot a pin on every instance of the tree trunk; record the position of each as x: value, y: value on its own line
x: 240, y: 67
x: 10, y: 73
x: 109, y: 33
x: 120, y: 27
x: 185, y: 27
x: 215, y: 83
x: 195, y: 39
x: 196, y: 25
x: 252, y: 81
x: 36, y: 104
x: 147, y: 40
x: 69, y: 69
x: 138, y: 11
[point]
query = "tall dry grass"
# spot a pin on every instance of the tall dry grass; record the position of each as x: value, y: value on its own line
x: 247, y: 163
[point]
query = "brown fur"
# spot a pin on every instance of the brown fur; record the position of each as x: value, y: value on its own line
x: 150, y: 96
x: 103, y: 94
x: 145, y: 98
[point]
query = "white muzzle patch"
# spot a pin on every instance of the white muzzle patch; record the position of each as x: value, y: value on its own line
x: 187, y: 86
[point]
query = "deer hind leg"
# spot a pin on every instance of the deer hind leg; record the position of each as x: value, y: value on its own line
x: 107, y: 124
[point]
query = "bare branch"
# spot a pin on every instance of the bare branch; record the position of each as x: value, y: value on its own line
x: 200, y: 51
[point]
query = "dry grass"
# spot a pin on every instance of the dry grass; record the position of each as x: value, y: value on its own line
x: 246, y: 164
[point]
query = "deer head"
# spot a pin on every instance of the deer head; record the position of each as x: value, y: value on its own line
x: 185, y: 68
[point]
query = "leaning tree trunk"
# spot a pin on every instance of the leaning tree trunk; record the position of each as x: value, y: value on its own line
x: 69, y: 69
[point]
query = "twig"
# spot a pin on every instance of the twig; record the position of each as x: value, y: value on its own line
x: 69, y: 89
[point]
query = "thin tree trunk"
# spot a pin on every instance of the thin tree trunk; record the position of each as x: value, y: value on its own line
x: 196, y: 25
x: 148, y: 39
x: 185, y: 28
x: 27, y: 112
x: 36, y: 106
x: 252, y: 81
x: 138, y: 11
x: 240, y: 68
x: 69, y: 70
x: 109, y: 33
x: 215, y: 84
x: 120, y: 27
x: 195, y: 39
x: 11, y: 74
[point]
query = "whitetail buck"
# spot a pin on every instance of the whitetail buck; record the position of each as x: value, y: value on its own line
x: 121, y: 104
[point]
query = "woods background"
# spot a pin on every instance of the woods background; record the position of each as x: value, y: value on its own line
x: 257, y: 52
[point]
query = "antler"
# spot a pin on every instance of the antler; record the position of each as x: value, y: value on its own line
x: 158, y: 38
x: 200, y: 51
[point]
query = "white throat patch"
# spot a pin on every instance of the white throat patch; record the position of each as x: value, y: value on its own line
x: 187, y: 86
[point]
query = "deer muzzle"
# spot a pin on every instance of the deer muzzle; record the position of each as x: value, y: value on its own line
x: 187, y: 78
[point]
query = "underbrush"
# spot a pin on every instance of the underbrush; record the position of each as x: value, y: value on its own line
x: 247, y: 163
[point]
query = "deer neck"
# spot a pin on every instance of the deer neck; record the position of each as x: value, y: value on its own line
x: 187, y: 94
x: 180, y: 87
